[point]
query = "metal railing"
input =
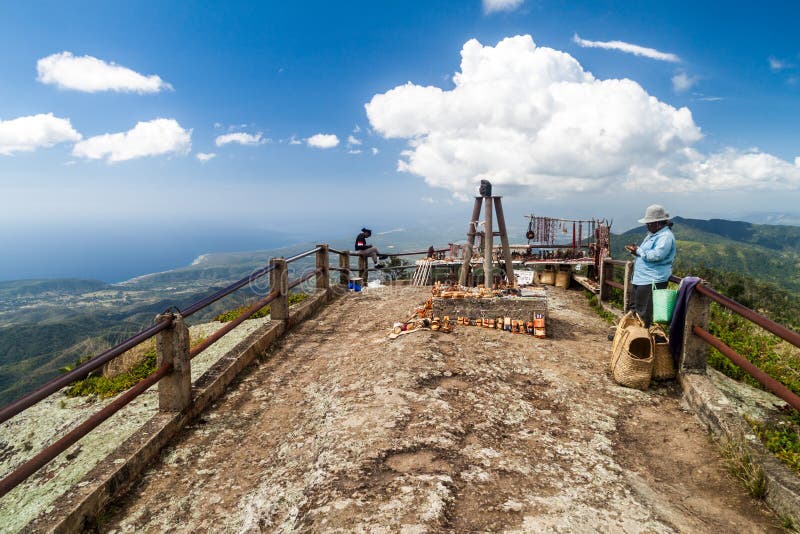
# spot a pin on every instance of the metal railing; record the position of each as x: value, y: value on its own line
x: 165, y: 321
x: 769, y: 325
x: 363, y: 267
x: 709, y: 339
x: 82, y: 371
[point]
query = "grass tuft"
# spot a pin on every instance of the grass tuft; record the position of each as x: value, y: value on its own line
x: 742, y: 466
x: 595, y: 304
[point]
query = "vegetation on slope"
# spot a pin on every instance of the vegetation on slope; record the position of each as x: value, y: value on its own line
x: 769, y: 253
x: 105, y: 387
x: 230, y: 315
x: 18, y: 288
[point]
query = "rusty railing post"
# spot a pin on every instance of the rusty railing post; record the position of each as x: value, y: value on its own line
x: 324, y: 276
x: 694, y: 352
x: 344, y: 264
x: 172, y: 347
x: 279, y: 282
x: 363, y: 271
x: 627, y: 292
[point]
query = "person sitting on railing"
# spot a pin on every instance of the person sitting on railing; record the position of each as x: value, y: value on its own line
x: 653, y: 263
x: 368, y: 251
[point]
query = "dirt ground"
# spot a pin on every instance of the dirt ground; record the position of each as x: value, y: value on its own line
x: 340, y: 429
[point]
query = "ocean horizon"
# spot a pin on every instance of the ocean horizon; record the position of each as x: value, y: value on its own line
x: 114, y: 256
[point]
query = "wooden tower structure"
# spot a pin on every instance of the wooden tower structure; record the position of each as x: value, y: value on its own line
x: 487, y: 201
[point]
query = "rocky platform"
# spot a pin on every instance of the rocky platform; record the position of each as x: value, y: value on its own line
x: 339, y: 429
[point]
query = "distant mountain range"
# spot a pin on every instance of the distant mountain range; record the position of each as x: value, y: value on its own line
x: 767, y: 252
x: 773, y: 218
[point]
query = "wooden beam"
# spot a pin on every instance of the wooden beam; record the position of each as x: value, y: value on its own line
x: 471, y: 230
x: 501, y: 225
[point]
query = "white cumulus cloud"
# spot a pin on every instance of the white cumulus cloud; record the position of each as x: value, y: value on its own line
x: 321, y: 140
x: 28, y: 133
x: 525, y: 115
x: 205, y: 156
x: 241, y: 138
x: 682, y: 82
x: 91, y: 75
x: 628, y: 48
x: 152, y: 138
x: 353, y: 141
x: 492, y: 6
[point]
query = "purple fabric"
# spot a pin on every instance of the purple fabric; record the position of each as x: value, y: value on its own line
x: 676, y: 332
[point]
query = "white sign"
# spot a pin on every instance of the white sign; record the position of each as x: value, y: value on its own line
x: 524, y: 278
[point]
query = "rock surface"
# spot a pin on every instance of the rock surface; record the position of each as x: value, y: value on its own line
x: 341, y: 430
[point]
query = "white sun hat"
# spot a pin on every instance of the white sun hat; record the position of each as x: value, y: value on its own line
x: 654, y: 213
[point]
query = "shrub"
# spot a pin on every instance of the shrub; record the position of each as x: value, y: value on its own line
x: 108, y: 387
x: 230, y: 315
x: 105, y: 387
x: 782, y: 440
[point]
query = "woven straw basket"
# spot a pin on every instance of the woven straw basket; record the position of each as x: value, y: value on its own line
x: 547, y: 277
x: 629, y: 319
x: 563, y: 278
x: 663, y: 366
x: 632, y: 360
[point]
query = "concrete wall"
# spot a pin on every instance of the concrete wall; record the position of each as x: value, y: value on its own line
x: 725, y: 424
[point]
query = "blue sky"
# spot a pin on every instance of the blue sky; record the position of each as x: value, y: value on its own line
x: 290, y: 71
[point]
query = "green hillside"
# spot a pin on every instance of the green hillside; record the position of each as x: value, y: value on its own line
x: 17, y: 288
x: 770, y: 253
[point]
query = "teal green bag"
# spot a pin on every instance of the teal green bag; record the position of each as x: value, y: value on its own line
x: 663, y: 304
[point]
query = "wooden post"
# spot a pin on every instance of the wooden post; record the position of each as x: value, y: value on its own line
x: 694, y: 352
x: 363, y: 270
x: 627, y: 297
x: 606, y: 272
x: 501, y: 225
x: 471, y: 232
x: 172, y: 346
x: 488, y: 240
x: 279, y: 281
x: 323, y: 278
x: 344, y: 263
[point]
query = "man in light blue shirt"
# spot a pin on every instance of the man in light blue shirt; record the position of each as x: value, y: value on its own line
x: 653, y: 263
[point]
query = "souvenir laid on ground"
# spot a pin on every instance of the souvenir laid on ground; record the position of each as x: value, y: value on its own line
x: 421, y: 319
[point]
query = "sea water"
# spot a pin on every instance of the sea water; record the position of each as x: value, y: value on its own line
x: 117, y: 253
